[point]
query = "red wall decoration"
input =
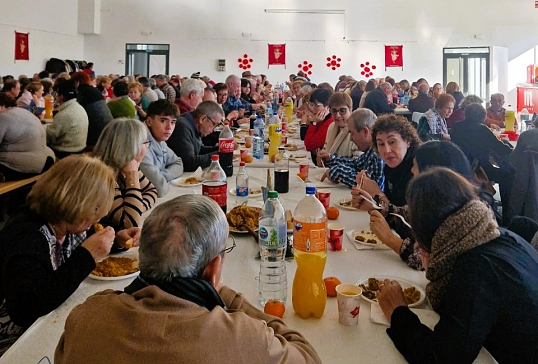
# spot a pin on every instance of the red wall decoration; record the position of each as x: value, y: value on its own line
x: 245, y: 62
x: 305, y: 67
x: 367, y: 70
x: 276, y: 54
x: 21, y: 46
x: 333, y: 62
x: 394, y: 56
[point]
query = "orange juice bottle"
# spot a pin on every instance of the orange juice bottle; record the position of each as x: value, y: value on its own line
x: 275, y: 136
x: 309, y: 294
x: 49, y: 106
x: 289, y: 109
x: 509, y: 118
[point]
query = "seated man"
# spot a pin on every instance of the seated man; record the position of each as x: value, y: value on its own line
x: 377, y: 101
x: 160, y: 164
x: 423, y: 102
x: 496, y: 111
x: 186, y: 139
x: 192, y: 91
x: 234, y: 98
x: 344, y: 169
x: 176, y: 311
x: 168, y: 91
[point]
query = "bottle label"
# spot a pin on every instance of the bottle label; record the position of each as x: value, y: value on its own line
x: 241, y: 191
x: 226, y: 145
x: 310, y: 237
x: 216, y: 193
x: 273, y: 236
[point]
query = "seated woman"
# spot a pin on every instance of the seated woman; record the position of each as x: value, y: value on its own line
x: 104, y: 85
x: 12, y: 88
x: 69, y: 129
x: 370, y: 86
x: 32, y: 99
x: 452, y: 88
x: 479, y: 273
x: 432, y: 125
x: 136, y: 91
x: 337, y: 140
x: 459, y: 113
x: 395, y: 141
x: 122, y: 145
x: 246, y: 91
x: 121, y: 105
x: 45, y: 251
x: 93, y: 103
x: 23, y: 144
x: 316, y: 121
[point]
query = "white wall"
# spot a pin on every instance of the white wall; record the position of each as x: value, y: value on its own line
x: 52, y: 25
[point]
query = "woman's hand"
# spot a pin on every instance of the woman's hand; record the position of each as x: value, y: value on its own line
x: 358, y: 202
x: 243, y: 121
x: 99, y: 244
x: 324, y: 156
x: 445, y: 137
x: 382, y: 230
x: 132, y: 166
x: 365, y: 183
x: 320, y: 116
x: 390, y: 296
x: 132, y: 233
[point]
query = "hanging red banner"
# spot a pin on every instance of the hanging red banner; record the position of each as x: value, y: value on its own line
x: 393, y: 56
x: 276, y: 54
x: 21, y: 47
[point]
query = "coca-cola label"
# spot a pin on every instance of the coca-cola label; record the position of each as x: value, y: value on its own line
x: 217, y: 193
x: 226, y: 145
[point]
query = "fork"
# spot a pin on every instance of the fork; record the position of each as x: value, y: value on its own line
x: 372, y: 202
x: 401, y: 218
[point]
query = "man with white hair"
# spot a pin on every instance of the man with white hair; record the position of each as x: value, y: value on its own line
x: 423, y: 102
x: 377, y: 100
x: 177, y: 311
x: 234, y: 101
x: 192, y: 91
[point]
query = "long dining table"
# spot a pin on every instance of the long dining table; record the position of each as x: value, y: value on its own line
x: 365, y: 343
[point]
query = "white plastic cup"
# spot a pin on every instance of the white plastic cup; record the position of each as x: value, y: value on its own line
x: 349, y: 304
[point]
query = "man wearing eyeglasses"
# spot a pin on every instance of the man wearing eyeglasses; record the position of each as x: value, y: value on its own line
x: 160, y: 164
x: 186, y: 140
x: 177, y: 310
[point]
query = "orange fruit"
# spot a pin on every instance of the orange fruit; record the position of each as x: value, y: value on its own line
x: 330, y: 285
x: 248, y: 159
x: 332, y: 213
x: 248, y: 145
x: 302, y: 176
x: 275, y: 308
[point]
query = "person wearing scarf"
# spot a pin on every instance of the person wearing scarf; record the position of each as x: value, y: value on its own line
x: 483, y: 279
x: 177, y: 310
x: 432, y: 125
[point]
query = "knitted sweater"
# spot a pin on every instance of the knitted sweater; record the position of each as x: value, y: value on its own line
x: 123, y: 107
x: 69, y: 129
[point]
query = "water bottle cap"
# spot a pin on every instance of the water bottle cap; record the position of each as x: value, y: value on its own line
x: 310, y: 190
x: 241, y: 164
x: 275, y: 113
x: 272, y: 194
x: 226, y: 123
x: 215, y: 158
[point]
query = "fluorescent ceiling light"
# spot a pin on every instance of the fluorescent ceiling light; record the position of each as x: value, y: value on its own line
x: 306, y: 11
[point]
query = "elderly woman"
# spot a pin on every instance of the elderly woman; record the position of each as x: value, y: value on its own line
x: 370, y: 86
x: 395, y: 141
x: 69, y: 129
x: 45, y: 251
x: 122, y: 146
x: 432, y: 125
x: 121, y: 106
x: 136, y: 91
x: 316, y: 121
x: 23, y: 148
x: 337, y: 140
x: 452, y: 88
x: 459, y: 113
x: 32, y: 99
x: 483, y: 279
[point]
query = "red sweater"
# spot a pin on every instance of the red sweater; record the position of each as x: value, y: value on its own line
x: 315, y: 134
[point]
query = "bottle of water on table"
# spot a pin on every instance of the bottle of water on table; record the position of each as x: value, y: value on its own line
x: 241, y: 185
x: 258, y: 138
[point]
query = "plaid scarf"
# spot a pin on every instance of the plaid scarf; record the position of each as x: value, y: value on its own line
x: 436, y: 122
x: 469, y: 227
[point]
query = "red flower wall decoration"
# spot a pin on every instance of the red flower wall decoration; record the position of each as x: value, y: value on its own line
x: 367, y: 69
x: 245, y: 62
x: 333, y: 62
x: 305, y: 67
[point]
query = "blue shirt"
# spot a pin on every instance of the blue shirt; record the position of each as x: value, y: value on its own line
x: 345, y: 169
x: 233, y: 103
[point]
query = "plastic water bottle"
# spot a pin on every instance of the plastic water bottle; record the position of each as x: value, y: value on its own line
x: 268, y: 112
x: 524, y: 119
x: 272, y: 240
x: 241, y: 185
x: 309, y: 294
x: 258, y: 138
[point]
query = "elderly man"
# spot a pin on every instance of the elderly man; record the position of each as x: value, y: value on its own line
x: 153, y: 85
x: 423, y: 102
x: 234, y: 101
x: 186, y: 140
x: 496, y: 111
x: 148, y: 92
x: 160, y: 164
x: 192, y: 91
x: 162, y: 83
x: 209, y: 94
x: 344, y: 169
x: 377, y: 100
x: 177, y: 311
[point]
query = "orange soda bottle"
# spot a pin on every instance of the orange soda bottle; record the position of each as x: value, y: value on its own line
x: 49, y: 106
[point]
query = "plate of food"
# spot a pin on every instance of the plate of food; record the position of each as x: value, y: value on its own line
x: 366, y: 238
x: 414, y: 295
x: 252, y: 192
x: 291, y: 147
x: 294, y: 157
x: 115, y: 268
x: 187, y: 182
x: 345, y: 203
x: 243, y: 215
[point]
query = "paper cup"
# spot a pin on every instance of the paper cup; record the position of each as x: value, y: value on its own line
x: 324, y: 196
x: 349, y: 304
x: 304, y: 168
x: 244, y: 153
x: 336, y: 236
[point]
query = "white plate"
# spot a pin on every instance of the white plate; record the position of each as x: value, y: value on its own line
x: 351, y: 235
x: 403, y: 283
x: 98, y: 278
x: 339, y: 204
x: 232, y: 192
x: 181, y: 182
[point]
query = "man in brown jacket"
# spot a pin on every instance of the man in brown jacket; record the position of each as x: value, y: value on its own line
x: 176, y: 311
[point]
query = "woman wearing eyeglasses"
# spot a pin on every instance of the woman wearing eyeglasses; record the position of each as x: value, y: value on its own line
x: 122, y: 145
x: 316, y: 121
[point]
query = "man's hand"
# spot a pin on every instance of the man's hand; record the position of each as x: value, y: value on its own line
x: 234, y: 114
x: 324, y: 156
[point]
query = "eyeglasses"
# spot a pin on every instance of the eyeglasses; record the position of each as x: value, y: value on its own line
x: 341, y: 111
x: 147, y: 143
x: 229, y: 249
x: 314, y: 104
x: 215, y: 123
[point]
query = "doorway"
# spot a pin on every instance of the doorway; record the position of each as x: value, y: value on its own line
x: 147, y: 59
x: 469, y: 68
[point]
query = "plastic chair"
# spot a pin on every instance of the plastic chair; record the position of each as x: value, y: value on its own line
x: 416, y: 117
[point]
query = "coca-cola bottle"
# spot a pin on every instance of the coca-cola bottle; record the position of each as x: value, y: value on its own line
x: 214, y: 183
x: 226, y: 150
